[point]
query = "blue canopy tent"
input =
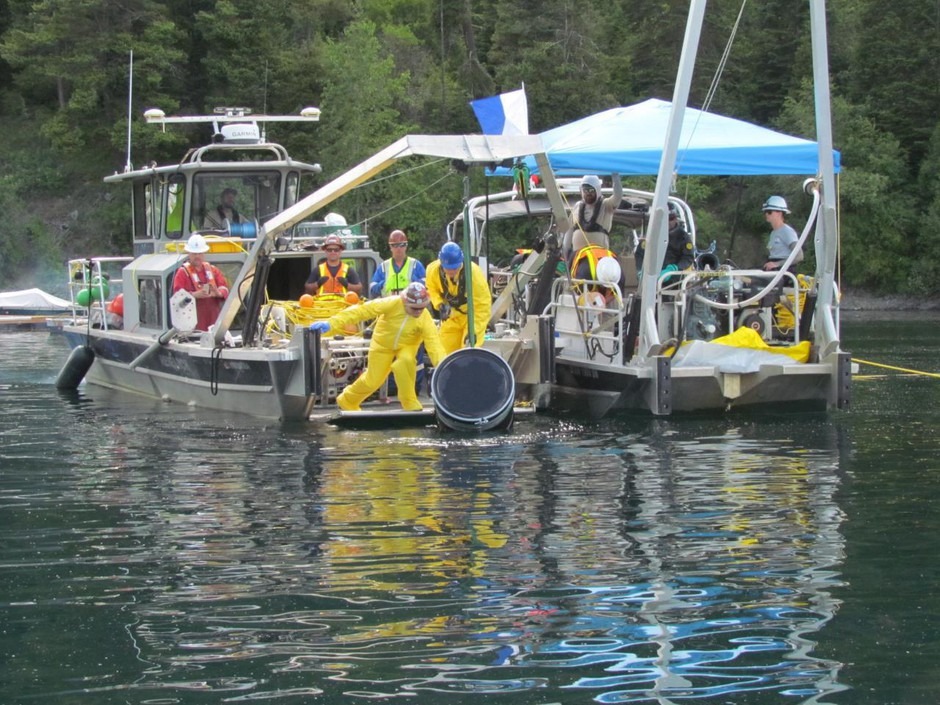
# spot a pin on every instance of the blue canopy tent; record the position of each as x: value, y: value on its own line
x: 629, y: 141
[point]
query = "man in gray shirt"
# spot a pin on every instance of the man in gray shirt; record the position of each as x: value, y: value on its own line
x: 783, y: 238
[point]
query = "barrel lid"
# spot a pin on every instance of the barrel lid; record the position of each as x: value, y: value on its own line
x: 473, y: 386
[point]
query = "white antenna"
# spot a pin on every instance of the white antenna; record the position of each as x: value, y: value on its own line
x: 130, y: 98
x: 264, y: 102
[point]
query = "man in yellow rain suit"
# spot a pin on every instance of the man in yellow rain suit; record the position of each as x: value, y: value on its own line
x: 447, y: 286
x: 402, y: 324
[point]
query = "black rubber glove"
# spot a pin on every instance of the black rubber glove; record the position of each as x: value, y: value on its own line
x: 343, y: 281
x: 444, y: 312
x: 322, y: 280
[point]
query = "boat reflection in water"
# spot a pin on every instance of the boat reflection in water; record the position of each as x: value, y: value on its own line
x: 665, y: 566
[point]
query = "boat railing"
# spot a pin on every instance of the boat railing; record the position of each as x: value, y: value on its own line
x: 203, y: 154
x: 314, y: 232
x: 100, y: 280
x: 589, y: 318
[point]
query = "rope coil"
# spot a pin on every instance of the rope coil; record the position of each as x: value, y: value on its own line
x: 323, y: 307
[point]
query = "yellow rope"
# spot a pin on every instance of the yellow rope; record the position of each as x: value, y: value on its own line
x: 324, y: 306
x: 897, y: 369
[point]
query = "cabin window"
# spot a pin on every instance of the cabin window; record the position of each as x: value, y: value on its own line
x: 143, y: 214
x: 292, y: 189
x: 256, y: 198
x: 144, y: 221
x: 175, y: 203
x: 150, y: 295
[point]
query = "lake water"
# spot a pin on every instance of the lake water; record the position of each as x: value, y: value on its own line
x: 152, y: 553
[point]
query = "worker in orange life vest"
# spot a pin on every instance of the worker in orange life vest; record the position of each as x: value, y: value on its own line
x: 205, y: 281
x: 332, y: 275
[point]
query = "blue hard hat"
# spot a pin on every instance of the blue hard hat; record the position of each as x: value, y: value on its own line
x: 451, y: 256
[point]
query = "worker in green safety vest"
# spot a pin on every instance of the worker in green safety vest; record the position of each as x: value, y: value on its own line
x: 395, y: 274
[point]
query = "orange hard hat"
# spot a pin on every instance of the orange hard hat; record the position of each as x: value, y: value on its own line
x: 306, y: 301
x: 333, y: 239
x: 352, y: 297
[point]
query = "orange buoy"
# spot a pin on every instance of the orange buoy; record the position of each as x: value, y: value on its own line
x: 306, y: 301
x: 352, y: 297
x: 117, y: 305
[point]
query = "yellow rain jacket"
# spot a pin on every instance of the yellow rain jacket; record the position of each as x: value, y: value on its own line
x: 394, y: 348
x: 452, y: 292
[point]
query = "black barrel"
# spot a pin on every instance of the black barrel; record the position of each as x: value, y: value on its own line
x: 473, y: 390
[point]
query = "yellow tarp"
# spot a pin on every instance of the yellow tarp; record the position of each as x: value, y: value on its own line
x: 749, y: 338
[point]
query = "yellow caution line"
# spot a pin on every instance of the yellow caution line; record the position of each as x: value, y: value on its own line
x: 897, y: 369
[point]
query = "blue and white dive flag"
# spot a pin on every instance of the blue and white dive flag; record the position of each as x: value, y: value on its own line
x: 504, y: 114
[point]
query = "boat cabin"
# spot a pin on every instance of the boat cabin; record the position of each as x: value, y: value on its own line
x: 170, y: 202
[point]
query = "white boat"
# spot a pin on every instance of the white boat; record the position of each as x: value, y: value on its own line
x: 259, y: 357
x: 711, y: 338
x: 32, y: 302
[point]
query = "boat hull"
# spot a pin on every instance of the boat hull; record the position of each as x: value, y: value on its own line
x: 265, y: 383
x: 601, y: 389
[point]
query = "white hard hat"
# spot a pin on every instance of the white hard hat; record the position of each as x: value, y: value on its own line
x: 334, y: 219
x: 196, y: 244
x: 608, y: 270
x: 775, y: 203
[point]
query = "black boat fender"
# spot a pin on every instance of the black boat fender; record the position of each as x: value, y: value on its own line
x: 75, y: 368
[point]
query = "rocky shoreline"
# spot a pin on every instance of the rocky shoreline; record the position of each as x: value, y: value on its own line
x: 864, y: 301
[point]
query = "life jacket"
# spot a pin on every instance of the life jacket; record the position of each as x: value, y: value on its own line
x: 592, y: 225
x: 592, y: 254
x: 194, y: 275
x: 396, y: 282
x: 455, y: 301
x: 332, y: 286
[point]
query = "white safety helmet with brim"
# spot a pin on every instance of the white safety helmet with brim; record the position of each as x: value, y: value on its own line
x: 775, y: 203
x: 196, y: 244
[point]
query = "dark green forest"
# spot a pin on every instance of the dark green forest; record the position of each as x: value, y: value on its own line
x: 380, y: 69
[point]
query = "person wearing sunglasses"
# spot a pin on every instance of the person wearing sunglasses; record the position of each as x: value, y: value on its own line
x: 398, y: 271
x: 332, y: 275
x: 783, y: 238
x: 592, y: 216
